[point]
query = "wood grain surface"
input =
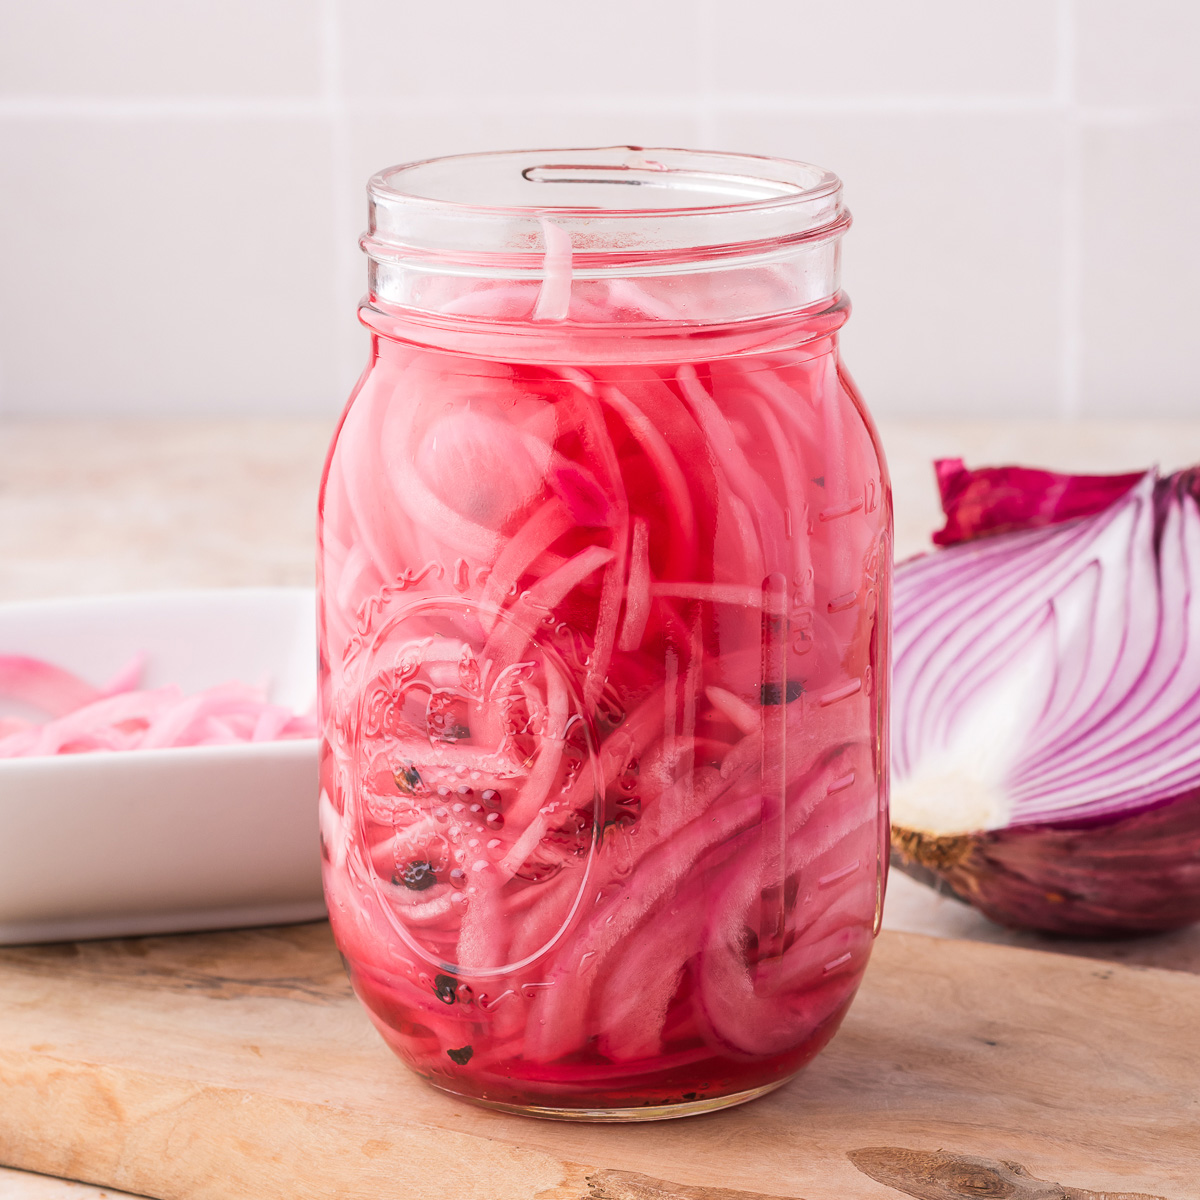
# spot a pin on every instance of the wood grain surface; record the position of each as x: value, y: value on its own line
x: 1092, y: 1079
x: 935, y: 1175
x: 239, y: 1065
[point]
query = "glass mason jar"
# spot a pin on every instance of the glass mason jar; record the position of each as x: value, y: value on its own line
x: 604, y: 594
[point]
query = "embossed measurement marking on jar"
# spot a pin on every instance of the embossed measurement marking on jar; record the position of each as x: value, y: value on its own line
x: 840, y: 510
x: 841, y: 693
x: 837, y: 876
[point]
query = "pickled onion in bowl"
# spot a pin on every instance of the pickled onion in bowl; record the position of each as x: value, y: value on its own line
x: 73, y: 717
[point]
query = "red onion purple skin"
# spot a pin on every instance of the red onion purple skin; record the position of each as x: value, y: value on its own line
x: 1136, y: 874
x: 1002, y: 499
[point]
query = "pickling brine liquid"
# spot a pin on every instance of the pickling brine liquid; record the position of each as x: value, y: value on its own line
x: 603, y: 648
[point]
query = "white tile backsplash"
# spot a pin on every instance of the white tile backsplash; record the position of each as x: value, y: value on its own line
x: 182, y: 183
x: 1138, y: 54
x: 951, y: 263
x: 1141, y: 270
x: 123, y: 48
x: 166, y: 266
x: 815, y: 50
x: 529, y: 48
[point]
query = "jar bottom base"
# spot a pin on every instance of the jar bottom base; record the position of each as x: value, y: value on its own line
x: 616, y: 1116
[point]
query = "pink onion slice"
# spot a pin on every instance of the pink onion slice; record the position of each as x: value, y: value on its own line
x: 43, y: 686
x: 554, y: 296
x: 121, y: 717
x: 579, y: 898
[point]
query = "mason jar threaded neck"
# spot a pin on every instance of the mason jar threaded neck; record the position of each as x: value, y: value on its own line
x: 600, y: 237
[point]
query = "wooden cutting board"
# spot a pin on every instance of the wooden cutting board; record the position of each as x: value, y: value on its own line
x: 239, y: 1066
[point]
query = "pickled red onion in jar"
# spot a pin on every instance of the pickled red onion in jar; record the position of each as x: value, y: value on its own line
x: 604, y: 608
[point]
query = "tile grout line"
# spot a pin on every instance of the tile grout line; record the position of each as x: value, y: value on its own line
x: 706, y: 64
x: 1071, y: 215
x: 338, y: 116
x: 152, y: 108
x: 157, y: 108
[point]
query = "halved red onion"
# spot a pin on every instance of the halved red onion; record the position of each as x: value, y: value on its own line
x: 1046, y: 729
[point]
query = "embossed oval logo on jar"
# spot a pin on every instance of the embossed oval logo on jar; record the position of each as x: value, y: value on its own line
x: 476, y: 783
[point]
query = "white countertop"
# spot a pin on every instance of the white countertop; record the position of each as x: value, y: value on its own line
x: 89, y: 507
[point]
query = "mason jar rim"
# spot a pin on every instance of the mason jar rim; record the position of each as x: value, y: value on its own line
x: 622, y: 201
x: 657, y: 162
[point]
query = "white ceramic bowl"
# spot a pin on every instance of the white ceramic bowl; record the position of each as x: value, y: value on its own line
x: 155, y: 841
